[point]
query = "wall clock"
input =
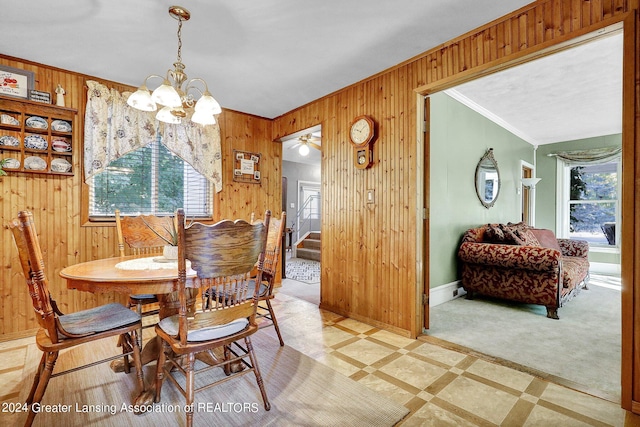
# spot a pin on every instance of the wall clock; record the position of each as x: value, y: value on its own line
x: 361, y: 134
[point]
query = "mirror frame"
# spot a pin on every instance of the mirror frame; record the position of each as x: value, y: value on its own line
x: 487, y: 158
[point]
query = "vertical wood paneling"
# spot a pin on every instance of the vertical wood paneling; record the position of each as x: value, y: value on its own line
x: 56, y: 202
x: 368, y: 257
x: 368, y: 261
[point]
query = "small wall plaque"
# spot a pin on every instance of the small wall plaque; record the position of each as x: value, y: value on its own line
x: 246, y: 167
x: 39, y: 96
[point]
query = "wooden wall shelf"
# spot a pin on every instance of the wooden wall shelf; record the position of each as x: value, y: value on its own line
x: 21, y: 111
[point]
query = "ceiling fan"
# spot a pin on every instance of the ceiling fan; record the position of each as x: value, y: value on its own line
x: 305, y: 141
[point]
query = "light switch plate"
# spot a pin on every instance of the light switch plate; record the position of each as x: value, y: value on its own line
x: 371, y: 196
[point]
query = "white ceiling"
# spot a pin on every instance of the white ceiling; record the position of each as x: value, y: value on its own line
x: 573, y: 94
x: 264, y: 57
x: 268, y: 57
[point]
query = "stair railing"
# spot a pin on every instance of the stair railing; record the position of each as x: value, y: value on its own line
x: 309, y: 211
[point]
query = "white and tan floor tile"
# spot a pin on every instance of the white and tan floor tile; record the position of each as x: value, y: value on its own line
x: 440, y: 386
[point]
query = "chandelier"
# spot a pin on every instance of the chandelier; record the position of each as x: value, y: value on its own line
x: 177, y: 101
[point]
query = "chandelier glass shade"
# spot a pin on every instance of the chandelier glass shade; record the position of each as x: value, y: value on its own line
x: 175, y: 95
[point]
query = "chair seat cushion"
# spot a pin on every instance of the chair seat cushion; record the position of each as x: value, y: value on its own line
x: 143, y: 296
x: 170, y: 326
x: 264, y: 288
x: 98, y: 319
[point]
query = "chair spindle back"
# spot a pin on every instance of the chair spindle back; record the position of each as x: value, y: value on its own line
x: 26, y: 239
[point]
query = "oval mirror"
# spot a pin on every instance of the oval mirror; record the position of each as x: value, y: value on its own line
x: 487, y: 179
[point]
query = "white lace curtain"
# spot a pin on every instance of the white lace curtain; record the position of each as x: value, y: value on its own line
x: 594, y: 156
x: 112, y: 129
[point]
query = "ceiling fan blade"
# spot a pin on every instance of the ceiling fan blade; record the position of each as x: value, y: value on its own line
x: 316, y: 146
x: 294, y: 146
x: 314, y: 139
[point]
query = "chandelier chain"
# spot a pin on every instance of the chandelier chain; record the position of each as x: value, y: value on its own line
x: 177, y: 101
x: 180, y: 40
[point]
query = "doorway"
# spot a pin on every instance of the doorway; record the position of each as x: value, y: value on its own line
x: 527, y: 194
x: 517, y: 171
x: 302, y: 167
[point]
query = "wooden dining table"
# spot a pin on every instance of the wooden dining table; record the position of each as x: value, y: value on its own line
x: 106, y: 275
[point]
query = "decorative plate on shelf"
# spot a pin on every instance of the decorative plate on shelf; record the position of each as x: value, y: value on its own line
x: 60, y: 165
x: 6, y: 119
x: 61, y: 145
x: 10, y: 141
x: 36, y: 122
x: 35, y: 163
x: 61, y: 126
x: 35, y: 142
x: 11, y: 163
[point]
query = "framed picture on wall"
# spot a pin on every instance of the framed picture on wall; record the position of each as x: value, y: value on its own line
x: 15, y: 82
x: 247, y: 167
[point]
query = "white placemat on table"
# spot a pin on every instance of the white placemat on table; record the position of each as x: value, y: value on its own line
x: 151, y: 263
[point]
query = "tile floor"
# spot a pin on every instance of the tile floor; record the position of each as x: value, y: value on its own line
x: 440, y: 387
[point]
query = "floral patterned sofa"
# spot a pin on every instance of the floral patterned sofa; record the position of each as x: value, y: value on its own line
x: 516, y: 262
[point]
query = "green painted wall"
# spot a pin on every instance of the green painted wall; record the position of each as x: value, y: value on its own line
x: 459, y: 137
x: 546, y: 189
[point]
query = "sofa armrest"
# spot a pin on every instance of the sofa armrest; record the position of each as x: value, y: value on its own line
x: 510, y: 256
x: 577, y: 248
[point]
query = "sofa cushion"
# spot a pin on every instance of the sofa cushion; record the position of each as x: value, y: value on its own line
x: 574, y: 271
x: 527, y: 237
x: 494, y: 234
x: 510, y: 236
x: 475, y: 235
x: 546, y: 238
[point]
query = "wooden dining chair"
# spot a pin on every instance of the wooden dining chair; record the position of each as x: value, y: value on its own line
x: 222, y: 255
x: 62, y: 331
x: 269, y: 274
x: 136, y: 234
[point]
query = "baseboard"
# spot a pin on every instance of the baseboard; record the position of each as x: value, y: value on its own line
x: 447, y: 292
x: 604, y: 268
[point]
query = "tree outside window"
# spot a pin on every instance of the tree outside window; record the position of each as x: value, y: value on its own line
x: 593, y: 203
x: 150, y: 180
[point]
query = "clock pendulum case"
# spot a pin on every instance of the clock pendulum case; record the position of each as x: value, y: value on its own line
x: 361, y: 134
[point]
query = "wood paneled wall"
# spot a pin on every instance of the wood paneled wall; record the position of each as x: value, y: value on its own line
x: 369, y: 266
x: 56, y: 202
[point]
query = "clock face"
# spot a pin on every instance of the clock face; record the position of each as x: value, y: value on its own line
x: 361, y: 131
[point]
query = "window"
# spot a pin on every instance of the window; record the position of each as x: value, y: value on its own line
x: 150, y: 180
x: 592, y: 203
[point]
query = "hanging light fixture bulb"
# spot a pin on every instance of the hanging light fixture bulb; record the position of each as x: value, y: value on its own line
x: 177, y: 102
x: 303, y: 150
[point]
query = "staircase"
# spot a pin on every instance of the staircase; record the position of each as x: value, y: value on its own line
x: 309, y: 247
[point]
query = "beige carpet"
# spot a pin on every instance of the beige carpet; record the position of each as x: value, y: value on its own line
x: 582, y: 348
x: 302, y: 392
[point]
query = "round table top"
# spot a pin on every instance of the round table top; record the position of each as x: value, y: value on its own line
x: 102, y: 275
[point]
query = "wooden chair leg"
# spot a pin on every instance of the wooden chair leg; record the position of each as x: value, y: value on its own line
x: 139, y: 311
x: 256, y: 371
x: 137, y: 358
x: 189, y: 387
x: 227, y: 366
x: 43, y: 381
x: 126, y: 348
x: 275, y: 322
x: 160, y: 372
x: 36, y: 379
